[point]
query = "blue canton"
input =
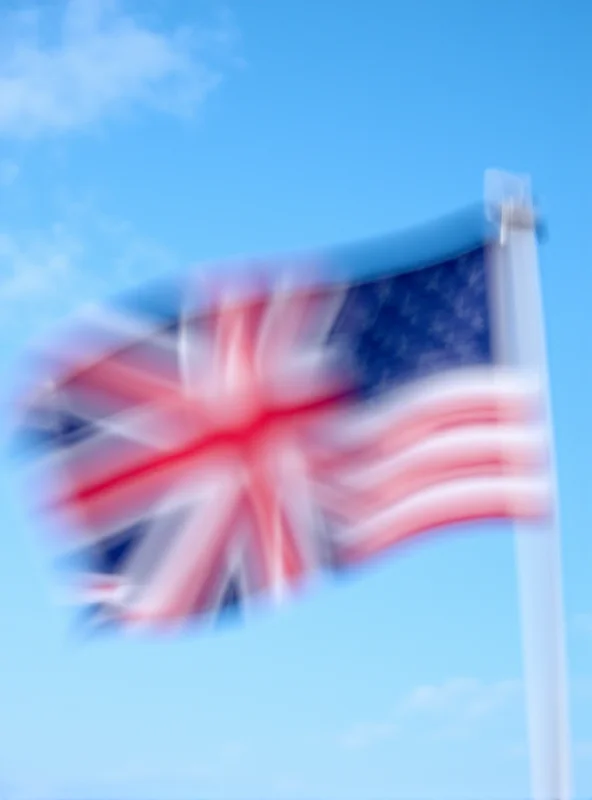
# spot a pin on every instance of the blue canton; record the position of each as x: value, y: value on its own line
x: 415, y: 324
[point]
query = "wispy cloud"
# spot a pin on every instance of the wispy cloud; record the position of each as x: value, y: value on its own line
x: 467, y: 698
x: 36, y: 263
x: 452, y: 707
x: 101, y: 62
x: 78, y: 258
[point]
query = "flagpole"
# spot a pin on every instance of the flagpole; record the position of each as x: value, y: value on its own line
x: 538, y: 552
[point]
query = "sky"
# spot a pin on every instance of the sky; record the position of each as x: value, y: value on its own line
x: 139, y: 138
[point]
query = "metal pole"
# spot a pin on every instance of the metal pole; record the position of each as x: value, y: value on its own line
x: 538, y: 552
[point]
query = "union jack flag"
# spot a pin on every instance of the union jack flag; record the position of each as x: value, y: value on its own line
x: 212, y: 444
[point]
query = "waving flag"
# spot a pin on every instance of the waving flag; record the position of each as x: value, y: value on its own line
x: 228, y: 438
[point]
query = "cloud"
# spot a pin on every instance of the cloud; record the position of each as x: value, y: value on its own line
x: 449, y: 708
x: 9, y: 171
x: 365, y: 735
x: 34, y: 263
x: 458, y: 707
x: 79, y: 258
x: 464, y: 698
x: 61, y: 73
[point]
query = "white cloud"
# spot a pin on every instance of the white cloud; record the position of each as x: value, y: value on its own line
x: 365, y: 735
x: 450, y: 708
x: 34, y: 264
x: 465, y: 698
x: 99, y: 62
x: 81, y: 258
x: 9, y: 171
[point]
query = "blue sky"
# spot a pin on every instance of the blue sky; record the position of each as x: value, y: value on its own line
x: 138, y: 138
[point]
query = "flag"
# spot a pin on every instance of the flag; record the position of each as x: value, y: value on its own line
x: 225, y: 438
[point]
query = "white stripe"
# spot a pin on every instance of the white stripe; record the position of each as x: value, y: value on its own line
x: 149, y: 427
x: 181, y: 495
x: 463, y: 493
x: 100, y: 333
x: 479, y: 384
x: 299, y: 503
x: 195, y: 358
x: 512, y: 440
x: 201, y: 528
x: 86, y: 592
x: 287, y: 474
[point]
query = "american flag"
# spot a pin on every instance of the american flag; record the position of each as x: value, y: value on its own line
x: 225, y: 442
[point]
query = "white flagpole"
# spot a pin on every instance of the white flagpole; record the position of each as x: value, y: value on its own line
x: 538, y: 551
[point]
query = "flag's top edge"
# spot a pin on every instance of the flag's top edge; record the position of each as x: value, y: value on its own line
x: 434, y: 242
x: 437, y: 241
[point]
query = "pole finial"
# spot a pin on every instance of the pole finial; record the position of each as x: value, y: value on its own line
x: 508, y: 202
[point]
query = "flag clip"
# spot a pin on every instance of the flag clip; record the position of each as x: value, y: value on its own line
x: 515, y: 216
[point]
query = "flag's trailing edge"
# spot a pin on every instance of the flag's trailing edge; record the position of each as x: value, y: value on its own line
x: 229, y: 434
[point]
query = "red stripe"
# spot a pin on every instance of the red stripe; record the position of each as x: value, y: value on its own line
x: 113, y: 377
x: 274, y: 532
x: 427, y: 470
x: 97, y: 501
x: 433, y: 517
x: 418, y: 424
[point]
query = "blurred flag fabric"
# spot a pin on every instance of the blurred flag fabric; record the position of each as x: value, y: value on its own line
x: 228, y: 435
